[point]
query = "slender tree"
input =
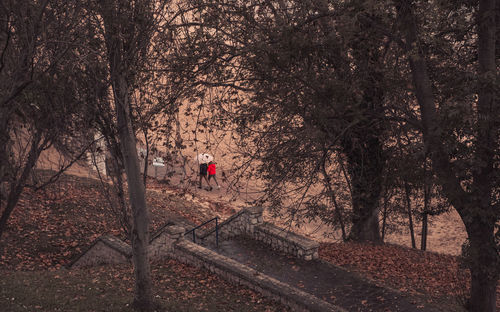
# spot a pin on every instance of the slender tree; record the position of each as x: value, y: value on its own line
x: 127, y: 29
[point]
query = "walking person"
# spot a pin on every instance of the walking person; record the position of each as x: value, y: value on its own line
x: 211, y: 174
x: 203, y: 174
x: 203, y: 159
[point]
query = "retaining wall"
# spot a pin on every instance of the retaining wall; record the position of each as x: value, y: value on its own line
x: 170, y: 242
x: 237, y: 273
x: 249, y: 222
x: 104, y: 250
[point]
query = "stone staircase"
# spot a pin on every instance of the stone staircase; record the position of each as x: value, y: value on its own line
x: 170, y: 241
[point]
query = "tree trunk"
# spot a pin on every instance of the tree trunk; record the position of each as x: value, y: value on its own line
x: 474, y: 207
x: 365, y: 169
x: 17, y: 185
x: 139, y: 237
x: 410, y: 217
x: 423, y: 240
x: 425, y: 214
x: 124, y: 48
x: 365, y: 165
x: 384, y: 217
x: 480, y: 217
x: 484, y: 263
x: 146, y: 159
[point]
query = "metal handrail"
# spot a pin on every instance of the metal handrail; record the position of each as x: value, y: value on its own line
x: 205, y: 223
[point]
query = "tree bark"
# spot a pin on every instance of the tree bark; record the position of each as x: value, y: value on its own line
x: 17, y: 185
x: 123, y: 52
x: 423, y: 239
x: 483, y: 264
x: 384, y: 217
x: 146, y: 159
x: 139, y: 237
x: 425, y: 214
x: 365, y: 167
x: 410, y: 216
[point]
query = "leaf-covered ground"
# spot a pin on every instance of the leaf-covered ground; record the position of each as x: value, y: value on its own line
x: 49, y: 229
x: 434, y: 275
x: 177, y: 287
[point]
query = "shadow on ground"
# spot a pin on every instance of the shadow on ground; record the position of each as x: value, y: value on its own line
x: 323, y: 280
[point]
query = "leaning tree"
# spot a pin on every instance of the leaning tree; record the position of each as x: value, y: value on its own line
x: 453, y: 59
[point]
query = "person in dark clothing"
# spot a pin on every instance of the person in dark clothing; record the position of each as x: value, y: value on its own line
x: 203, y: 174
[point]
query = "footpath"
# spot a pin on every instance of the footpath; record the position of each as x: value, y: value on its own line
x: 330, y: 283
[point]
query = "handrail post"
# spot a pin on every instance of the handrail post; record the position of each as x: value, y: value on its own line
x: 199, y: 226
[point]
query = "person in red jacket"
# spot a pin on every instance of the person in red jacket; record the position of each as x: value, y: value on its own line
x: 211, y: 174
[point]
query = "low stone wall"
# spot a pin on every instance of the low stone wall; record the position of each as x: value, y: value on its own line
x: 162, y: 243
x: 104, y: 250
x: 110, y: 250
x: 193, y: 254
x: 170, y: 242
x: 287, y: 242
x: 249, y: 222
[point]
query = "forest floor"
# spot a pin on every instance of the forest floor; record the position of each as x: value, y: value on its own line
x: 50, y: 229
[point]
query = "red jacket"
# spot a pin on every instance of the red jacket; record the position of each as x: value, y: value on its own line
x: 211, y: 169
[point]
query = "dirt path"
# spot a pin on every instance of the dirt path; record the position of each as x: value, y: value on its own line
x: 446, y: 232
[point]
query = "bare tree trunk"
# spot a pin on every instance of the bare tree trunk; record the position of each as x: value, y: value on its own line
x: 410, y: 217
x: 123, y: 52
x: 384, y: 217
x: 146, y: 159
x: 425, y: 214
x: 17, y: 185
x: 365, y: 168
x: 482, y: 253
x: 423, y: 240
x: 140, y: 228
